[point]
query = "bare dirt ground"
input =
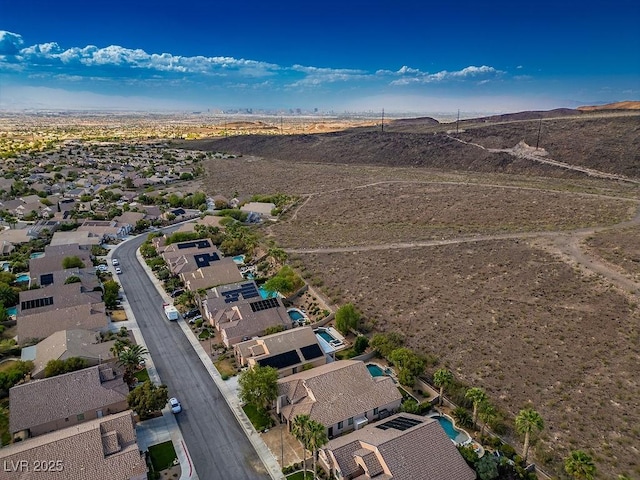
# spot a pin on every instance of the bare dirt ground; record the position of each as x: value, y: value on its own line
x: 527, y: 286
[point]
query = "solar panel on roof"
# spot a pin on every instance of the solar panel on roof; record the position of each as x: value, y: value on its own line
x: 195, y: 243
x: 400, y: 423
x: 205, y: 259
x: 46, y: 279
x: 311, y: 351
x: 247, y: 290
x: 282, y: 360
x: 265, y: 304
x: 36, y: 303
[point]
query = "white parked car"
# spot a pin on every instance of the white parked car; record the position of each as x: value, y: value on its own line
x: 118, y: 270
x: 175, y: 405
x: 115, y: 262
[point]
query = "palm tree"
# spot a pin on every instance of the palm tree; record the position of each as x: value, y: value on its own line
x: 487, y: 414
x: 117, y: 347
x: 579, y: 465
x: 300, y: 430
x: 477, y: 396
x: 442, y: 378
x: 317, y: 437
x: 527, y: 421
x: 130, y: 358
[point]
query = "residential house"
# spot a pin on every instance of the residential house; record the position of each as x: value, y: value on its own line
x: 53, y: 259
x: 61, y: 306
x: 200, y: 264
x: 402, y: 447
x: 104, y: 229
x: 64, y: 344
x: 261, y: 209
x: 341, y: 395
x: 50, y: 404
x: 289, y: 351
x: 101, y: 449
x: 127, y: 221
x: 9, y: 237
x: 82, y: 238
x: 240, y: 313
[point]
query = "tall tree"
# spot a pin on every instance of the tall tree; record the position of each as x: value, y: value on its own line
x: 487, y: 414
x: 130, y: 358
x: 528, y: 421
x: 579, y: 465
x: 317, y: 436
x: 442, y: 378
x: 477, y: 396
x: 259, y: 386
x: 148, y: 398
x: 347, y: 318
x: 299, y: 429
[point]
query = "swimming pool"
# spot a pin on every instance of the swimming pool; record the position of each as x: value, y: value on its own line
x: 36, y: 255
x: 23, y: 278
x: 455, y: 434
x: 12, y: 311
x: 266, y: 293
x: 296, y: 315
x: 330, y: 335
x: 326, y: 336
x: 375, y: 370
x: 239, y: 259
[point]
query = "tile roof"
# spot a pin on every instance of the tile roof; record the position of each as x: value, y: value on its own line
x: 222, y: 272
x: 42, y: 401
x: 336, y: 391
x: 64, y: 344
x: 421, y: 452
x: 283, y: 343
x: 88, y: 316
x: 75, y: 236
x: 53, y: 257
x: 101, y: 449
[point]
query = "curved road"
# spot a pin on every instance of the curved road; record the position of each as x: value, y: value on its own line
x: 218, y: 446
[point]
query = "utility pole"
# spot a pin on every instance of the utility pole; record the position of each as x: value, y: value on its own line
x: 539, y: 128
x: 281, y: 129
x: 458, y: 122
x: 382, y: 123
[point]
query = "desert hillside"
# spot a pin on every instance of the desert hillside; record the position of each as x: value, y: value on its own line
x: 606, y: 143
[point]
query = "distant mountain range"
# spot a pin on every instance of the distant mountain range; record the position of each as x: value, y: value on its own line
x: 628, y: 105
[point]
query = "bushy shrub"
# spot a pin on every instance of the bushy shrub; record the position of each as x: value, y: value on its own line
x: 463, y: 417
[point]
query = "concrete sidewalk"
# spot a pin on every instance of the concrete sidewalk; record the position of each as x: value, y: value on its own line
x: 268, y: 459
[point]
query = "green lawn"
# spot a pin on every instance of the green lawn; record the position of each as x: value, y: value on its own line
x: 7, y: 365
x: 345, y: 354
x: 162, y: 456
x: 142, y: 375
x: 259, y: 418
x: 299, y: 476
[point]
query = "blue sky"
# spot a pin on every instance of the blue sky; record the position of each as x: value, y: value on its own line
x: 350, y: 55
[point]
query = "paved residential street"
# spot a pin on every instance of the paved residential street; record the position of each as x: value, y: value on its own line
x: 218, y: 446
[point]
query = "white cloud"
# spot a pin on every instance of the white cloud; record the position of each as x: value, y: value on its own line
x: 410, y: 75
x: 10, y: 43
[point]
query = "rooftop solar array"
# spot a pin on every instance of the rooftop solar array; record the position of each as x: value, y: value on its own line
x: 194, y: 244
x: 46, y: 279
x: 282, y: 360
x: 265, y: 304
x: 35, y: 303
x: 311, y: 351
x: 400, y: 423
x: 205, y: 259
x: 247, y: 290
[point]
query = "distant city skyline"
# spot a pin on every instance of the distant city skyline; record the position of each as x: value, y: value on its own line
x: 354, y: 55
